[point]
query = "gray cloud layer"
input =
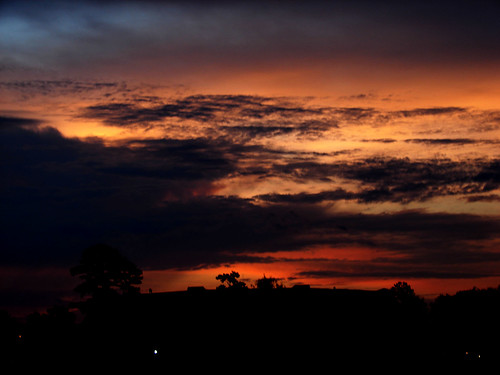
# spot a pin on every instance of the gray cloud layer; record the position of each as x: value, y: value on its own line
x: 245, y: 33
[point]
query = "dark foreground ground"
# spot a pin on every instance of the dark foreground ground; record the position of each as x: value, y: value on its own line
x: 242, y: 331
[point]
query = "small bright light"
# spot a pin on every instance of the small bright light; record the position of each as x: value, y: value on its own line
x: 155, y: 351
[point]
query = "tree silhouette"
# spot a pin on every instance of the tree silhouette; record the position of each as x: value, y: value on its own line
x: 267, y: 283
x: 403, y: 292
x: 407, y: 300
x: 230, y: 280
x: 106, y: 272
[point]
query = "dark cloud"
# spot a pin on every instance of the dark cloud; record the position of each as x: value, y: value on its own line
x: 118, y: 114
x: 487, y: 121
x: 8, y: 122
x: 484, y: 198
x: 423, y: 244
x: 227, y: 229
x: 165, y: 188
x: 245, y: 34
x: 242, y: 118
x: 442, y: 141
x: 156, y: 200
x: 355, y: 113
x: 370, y: 96
x: 425, y: 238
x: 62, y: 191
x: 47, y: 86
x: 369, y: 270
x: 201, y: 108
x: 435, y: 111
x: 310, y: 128
x: 30, y: 88
x: 451, y: 141
x: 264, y: 115
x: 472, y: 119
x: 380, y: 140
x: 405, y: 193
x: 377, y: 117
x: 252, y: 131
x: 393, y: 179
x: 310, y: 198
x: 238, y: 118
x: 173, y: 159
x: 282, y: 111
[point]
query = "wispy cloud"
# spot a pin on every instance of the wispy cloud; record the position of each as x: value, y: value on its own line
x: 29, y: 89
x: 199, y: 107
x: 396, y: 180
x: 247, y: 116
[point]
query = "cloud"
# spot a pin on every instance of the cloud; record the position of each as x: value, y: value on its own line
x: 250, y: 118
x: 484, y: 198
x: 243, y: 117
x: 307, y: 128
x: 62, y: 191
x: 227, y: 229
x: 46, y: 87
x: 198, y: 107
x: 210, y: 159
x: 420, y: 244
x: 14, y: 122
x: 29, y: 89
x: 311, y: 198
x: 157, y: 199
x: 253, y: 131
x: 392, y: 179
x: 369, y: 96
x: 486, y: 121
x: 434, y: 111
x: 355, y: 113
x: 441, y: 141
x: 380, y: 140
x: 245, y: 34
x: 174, y: 159
x: 240, y: 118
x: 131, y: 114
x: 369, y: 270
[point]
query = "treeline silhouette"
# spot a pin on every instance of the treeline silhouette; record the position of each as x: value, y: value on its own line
x: 261, y: 327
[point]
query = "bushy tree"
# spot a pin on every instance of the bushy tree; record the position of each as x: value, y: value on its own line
x: 105, y: 272
x: 268, y: 283
x: 402, y: 291
x: 230, y: 281
x: 405, y: 296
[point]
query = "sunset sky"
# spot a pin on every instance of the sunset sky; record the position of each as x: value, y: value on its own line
x: 351, y: 144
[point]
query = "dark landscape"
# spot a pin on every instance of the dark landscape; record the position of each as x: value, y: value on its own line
x: 263, y: 327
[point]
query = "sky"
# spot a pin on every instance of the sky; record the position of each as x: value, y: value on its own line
x: 352, y: 144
